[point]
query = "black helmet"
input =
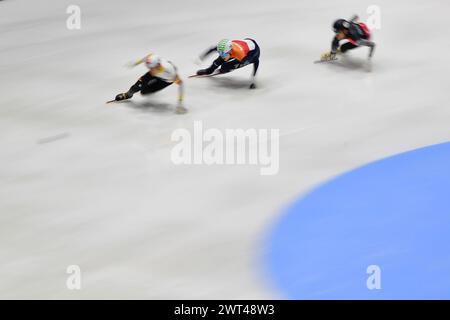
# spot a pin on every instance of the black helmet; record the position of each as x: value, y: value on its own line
x: 340, y: 24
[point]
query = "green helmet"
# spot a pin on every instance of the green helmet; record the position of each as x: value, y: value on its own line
x: 224, y: 46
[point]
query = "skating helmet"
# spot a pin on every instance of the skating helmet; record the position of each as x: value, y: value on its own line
x: 152, y: 60
x: 340, y: 24
x: 224, y: 47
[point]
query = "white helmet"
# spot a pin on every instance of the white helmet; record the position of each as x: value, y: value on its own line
x: 152, y: 60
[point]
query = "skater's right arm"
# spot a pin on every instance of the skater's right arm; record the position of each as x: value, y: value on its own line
x: 367, y: 43
x: 354, y: 18
x: 216, y: 64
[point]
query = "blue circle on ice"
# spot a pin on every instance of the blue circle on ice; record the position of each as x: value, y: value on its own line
x: 385, y: 225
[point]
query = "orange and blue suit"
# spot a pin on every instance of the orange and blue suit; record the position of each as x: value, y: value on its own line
x: 243, y: 53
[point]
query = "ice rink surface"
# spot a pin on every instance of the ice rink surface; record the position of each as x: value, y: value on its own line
x: 89, y: 184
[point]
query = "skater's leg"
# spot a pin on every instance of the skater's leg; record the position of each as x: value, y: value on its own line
x: 146, y: 84
x: 362, y: 42
x: 216, y: 64
x: 142, y: 83
x: 367, y: 43
x: 135, y: 87
x: 154, y: 85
